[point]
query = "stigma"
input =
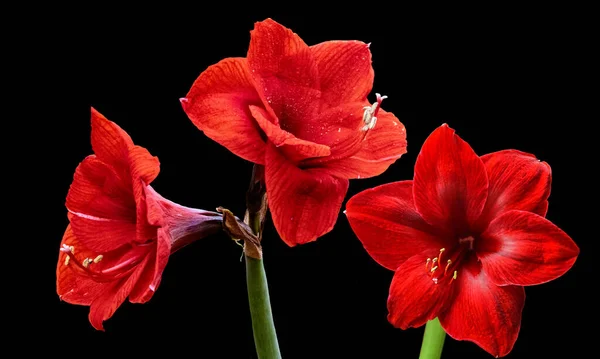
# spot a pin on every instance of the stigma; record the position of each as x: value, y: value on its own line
x: 370, y: 114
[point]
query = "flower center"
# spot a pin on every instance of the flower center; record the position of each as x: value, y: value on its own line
x: 111, y: 271
x: 370, y: 114
x: 446, y: 265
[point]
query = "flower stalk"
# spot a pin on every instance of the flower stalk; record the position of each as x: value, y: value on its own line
x: 433, y: 340
x: 265, y: 336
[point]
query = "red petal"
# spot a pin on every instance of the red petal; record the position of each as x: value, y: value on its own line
x: 109, y: 142
x: 523, y: 248
x: 483, y: 313
x: 163, y: 251
x: 381, y: 147
x: 294, y: 149
x: 101, y: 207
x: 151, y: 273
x: 218, y: 104
x: 155, y: 210
x: 144, y: 169
x: 285, y: 73
x: 101, y: 234
x: 337, y: 127
x: 304, y: 203
x: 105, y: 305
x: 143, y: 165
x: 345, y: 71
x: 99, y: 191
x: 386, y: 222
x: 71, y: 287
x: 157, y: 206
x: 152, y: 276
x: 414, y: 297
x: 450, y: 183
x: 517, y: 180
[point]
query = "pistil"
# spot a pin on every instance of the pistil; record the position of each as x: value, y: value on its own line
x: 370, y: 114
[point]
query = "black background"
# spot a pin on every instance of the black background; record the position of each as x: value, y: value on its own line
x: 502, y: 82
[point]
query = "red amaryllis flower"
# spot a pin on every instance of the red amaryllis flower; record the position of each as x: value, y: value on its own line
x: 121, y: 231
x: 302, y: 112
x: 463, y: 237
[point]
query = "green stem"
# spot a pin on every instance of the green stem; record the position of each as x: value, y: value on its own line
x: 265, y: 337
x: 433, y: 340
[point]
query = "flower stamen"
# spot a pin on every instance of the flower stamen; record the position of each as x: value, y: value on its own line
x: 427, y: 263
x: 447, y: 265
x: 440, y: 255
x: 104, y: 275
x: 370, y: 114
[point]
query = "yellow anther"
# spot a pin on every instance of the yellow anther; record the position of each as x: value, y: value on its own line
x: 433, y: 269
x: 98, y: 259
x: 86, y: 262
x: 67, y: 258
x: 434, y: 260
x: 72, y: 249
x: 455, y: 274
x: 427, y: 263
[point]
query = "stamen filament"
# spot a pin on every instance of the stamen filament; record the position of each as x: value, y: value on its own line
x: 133, y: 261
x: 447, y: 265
x: 440, y: 255
x: 106, y: 275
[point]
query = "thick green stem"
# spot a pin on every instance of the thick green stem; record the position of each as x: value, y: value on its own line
x: 265, y: 337
x: 433, y: 340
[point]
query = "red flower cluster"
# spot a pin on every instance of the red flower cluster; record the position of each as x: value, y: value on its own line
x: 302, y: 112
x: 463, y: 237
x: 121, y: 231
